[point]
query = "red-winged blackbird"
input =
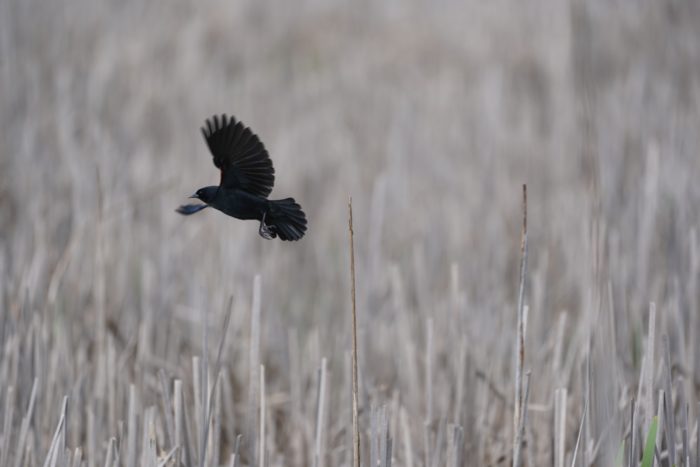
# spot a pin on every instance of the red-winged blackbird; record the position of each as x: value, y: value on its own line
x: 247, y: 177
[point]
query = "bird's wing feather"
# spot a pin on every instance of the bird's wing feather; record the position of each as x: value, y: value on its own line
x: 189, y: 209
x: 240, y: 155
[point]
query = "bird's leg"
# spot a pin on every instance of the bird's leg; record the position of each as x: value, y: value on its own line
x: 266, y: 231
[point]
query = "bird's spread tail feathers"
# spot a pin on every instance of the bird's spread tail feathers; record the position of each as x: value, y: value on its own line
x: 286, y: 219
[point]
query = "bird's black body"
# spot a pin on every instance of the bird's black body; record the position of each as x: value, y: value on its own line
x: 236, y: 203
x: 247, y: 177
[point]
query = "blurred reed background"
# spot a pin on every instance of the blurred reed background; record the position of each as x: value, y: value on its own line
x: 431, y: 115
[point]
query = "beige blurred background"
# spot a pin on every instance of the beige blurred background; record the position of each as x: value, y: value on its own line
x: 431, y: 115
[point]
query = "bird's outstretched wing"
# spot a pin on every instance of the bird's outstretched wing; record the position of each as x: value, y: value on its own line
x: 188, y: 209
x: 239, y: 154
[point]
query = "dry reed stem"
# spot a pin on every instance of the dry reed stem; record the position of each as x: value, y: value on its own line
x: 523, y: 420
x: 261, y: 455
x: 580, y: 434
x: 560, y: 396
x: 355, y: 424
x: 520, y: 337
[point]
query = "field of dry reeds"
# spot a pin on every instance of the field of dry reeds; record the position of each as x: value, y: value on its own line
x: 132, y: 336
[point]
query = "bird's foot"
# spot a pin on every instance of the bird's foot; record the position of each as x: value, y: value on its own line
x: 266, y: 231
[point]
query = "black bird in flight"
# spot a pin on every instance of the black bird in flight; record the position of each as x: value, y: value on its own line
x: 247, y: 177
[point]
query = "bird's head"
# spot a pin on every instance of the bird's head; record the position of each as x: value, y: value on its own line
x: 206, y: 194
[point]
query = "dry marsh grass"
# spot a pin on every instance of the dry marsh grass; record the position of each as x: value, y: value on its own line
x: 431, y: 115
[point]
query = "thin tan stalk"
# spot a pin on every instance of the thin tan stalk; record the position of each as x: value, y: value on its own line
x: 520, y: 336
x: 355, y: 424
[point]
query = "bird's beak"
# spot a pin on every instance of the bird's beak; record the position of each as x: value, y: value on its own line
x: 194, y: 196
